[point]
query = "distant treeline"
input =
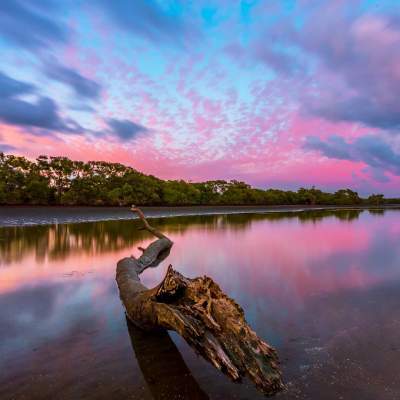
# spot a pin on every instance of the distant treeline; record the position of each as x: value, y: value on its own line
x: 61, y: 181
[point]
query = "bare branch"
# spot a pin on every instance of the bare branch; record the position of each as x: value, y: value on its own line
x: 147, y: 226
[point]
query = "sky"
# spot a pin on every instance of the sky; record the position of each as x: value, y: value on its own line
x: 277, y: 93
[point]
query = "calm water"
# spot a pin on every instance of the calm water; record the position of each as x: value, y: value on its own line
x: 322, y: 287
x: 41, y: 215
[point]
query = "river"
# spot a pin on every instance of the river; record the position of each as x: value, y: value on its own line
x: 323, y: 287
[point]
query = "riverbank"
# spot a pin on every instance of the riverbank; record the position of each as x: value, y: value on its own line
x: 43, y: 215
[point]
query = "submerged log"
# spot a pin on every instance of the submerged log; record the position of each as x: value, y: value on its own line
x: 198, y: 310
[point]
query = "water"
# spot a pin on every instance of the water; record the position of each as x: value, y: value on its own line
x: 320, y: 286
x: 28, y: 215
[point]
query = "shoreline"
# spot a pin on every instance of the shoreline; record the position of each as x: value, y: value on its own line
x: 20, y: 215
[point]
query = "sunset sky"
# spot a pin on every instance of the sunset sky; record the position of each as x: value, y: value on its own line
x: 276, y: 93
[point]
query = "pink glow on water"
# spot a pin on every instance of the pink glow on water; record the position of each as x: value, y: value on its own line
x: 293, y: 277
x: 278, y: 256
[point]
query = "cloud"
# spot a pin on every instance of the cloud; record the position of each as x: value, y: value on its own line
x: 125, y: 129
x: 364, y: 54
x: 6, y: 148
x: 279, y: 60
x: 10, y: 87
x: 28, y: 26
x: 371, y: 150
x: 82, y: 86
x: 366, y: 110
x: 81, y: 107
x: 334, y: 147
x: 42, y: 113
x: 148, y: 19
x: 349, y: 60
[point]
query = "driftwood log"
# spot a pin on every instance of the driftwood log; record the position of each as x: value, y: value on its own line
x: 198, y: 310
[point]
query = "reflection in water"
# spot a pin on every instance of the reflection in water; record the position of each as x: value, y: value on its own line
x: 322, y: 286
x: 59, y: 241
x: 163, y: 367
x: 377, y: 211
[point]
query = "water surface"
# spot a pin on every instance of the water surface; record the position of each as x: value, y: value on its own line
x: 42, y: 215
x: 323, y: 287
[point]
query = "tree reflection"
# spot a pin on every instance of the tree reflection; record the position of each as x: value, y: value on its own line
x: 59, y: 241
x: 377, y: 211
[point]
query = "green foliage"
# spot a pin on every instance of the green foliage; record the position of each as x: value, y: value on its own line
x: 59, y: 180
x: 376, y: 199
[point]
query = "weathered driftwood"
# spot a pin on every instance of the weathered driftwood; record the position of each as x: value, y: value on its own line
x: 197, y: 309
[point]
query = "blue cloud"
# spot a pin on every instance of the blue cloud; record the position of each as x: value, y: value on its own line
x: 43, y: 113
x: 10, y: 87
x: 334, y: 147
x: 125, y: 129
x: 365, y: 110
x: 6, y: 148
x: 372, y: 150
x: 146, y: 18
x: 28, y: 26
x: 82, y: 86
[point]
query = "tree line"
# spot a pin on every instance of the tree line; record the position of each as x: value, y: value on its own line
x: 61, y: 181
